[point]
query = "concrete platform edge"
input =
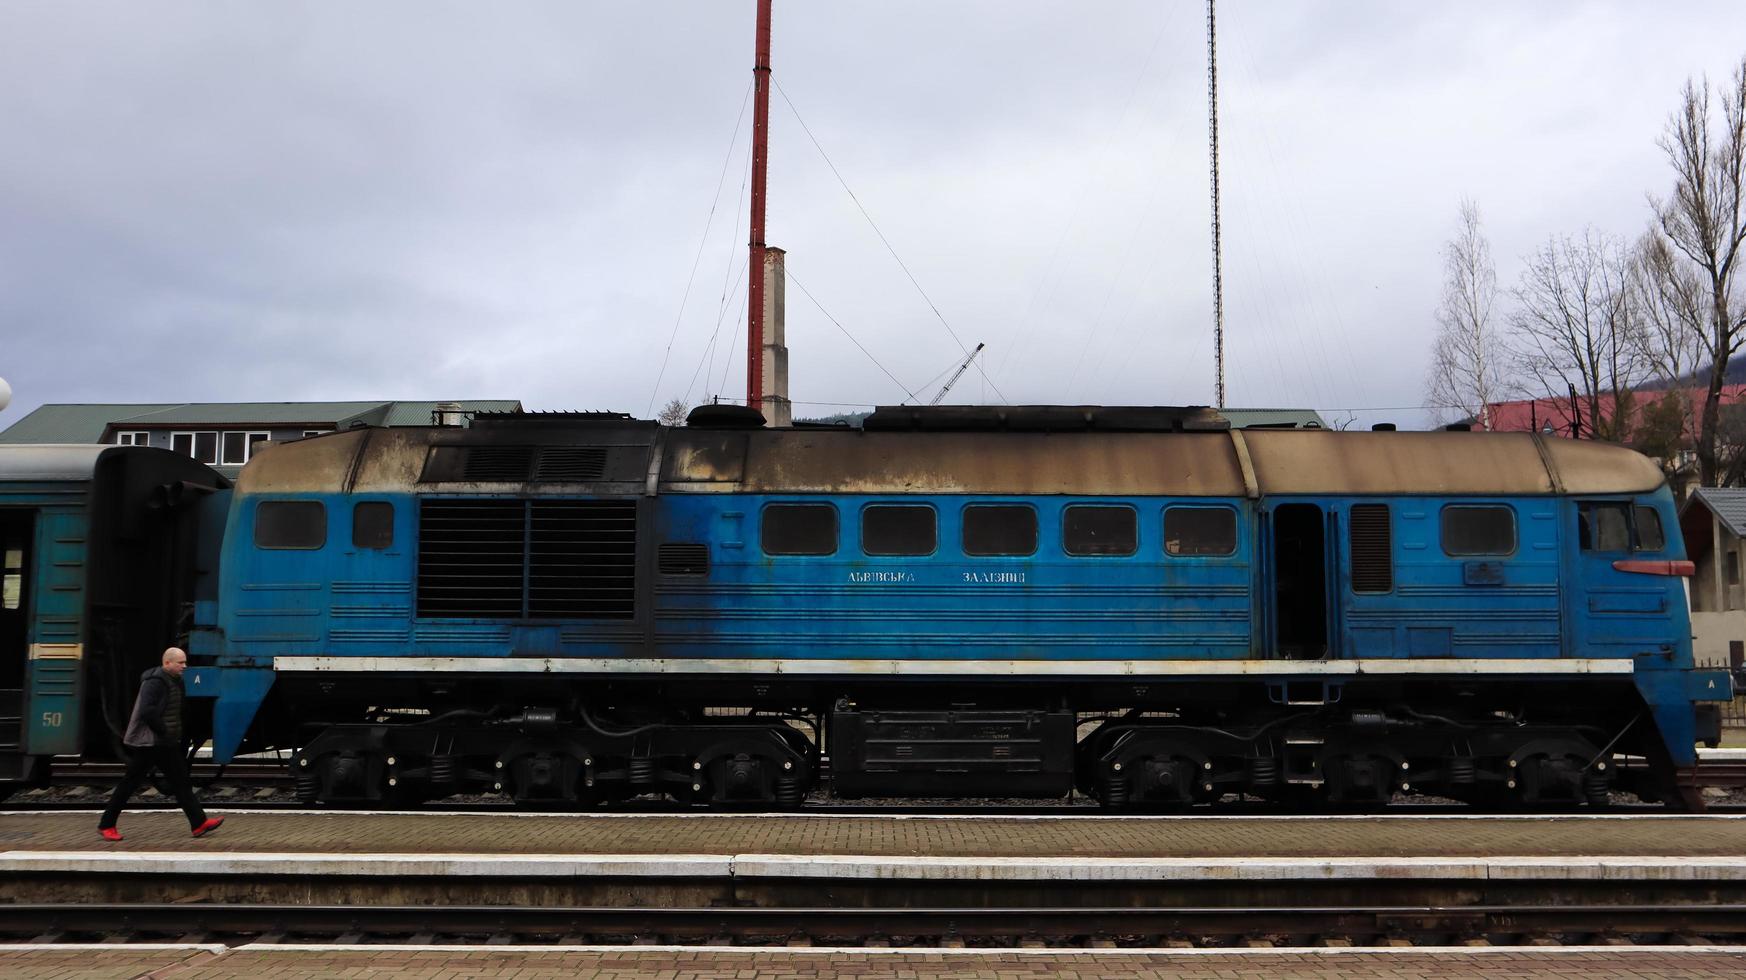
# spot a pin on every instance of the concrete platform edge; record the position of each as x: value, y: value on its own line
x: 758, y: 866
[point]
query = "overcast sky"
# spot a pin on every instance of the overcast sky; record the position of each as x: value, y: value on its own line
x: 289, y: 201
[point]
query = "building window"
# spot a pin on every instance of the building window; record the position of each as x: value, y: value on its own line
x: 897, y: 529
x: 992, y: 530
x: 1200, y: 531
x: 1095, y: 529
x: 1733, y: 568
x: 373, y: 525
x: 202, y: 446
x: 314, y: 432
x: 799, y: 529
x: 239, y: 447
x: 1479, y: 531
x: 133, y: 438
x: 290, y: 525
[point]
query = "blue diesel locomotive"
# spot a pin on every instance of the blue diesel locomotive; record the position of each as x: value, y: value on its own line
x: 1140, y: 604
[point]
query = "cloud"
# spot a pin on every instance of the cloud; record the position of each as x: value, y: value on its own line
x: 448, y: 200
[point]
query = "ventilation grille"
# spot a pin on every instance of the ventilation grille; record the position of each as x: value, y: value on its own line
x: 1372, y: 549
x: 582, y: 561
x: 684, y: 559
x: 565, y: 464
x: 470, y: 557
x: 498, y: 464
x: 540, y: 559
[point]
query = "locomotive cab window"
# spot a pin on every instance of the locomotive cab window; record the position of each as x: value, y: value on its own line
x: 290, y: 525
x: 1604, y: 526
x: 1649, y: 534
x: 1476, y: 530
x: 799, y: 529
x: 897, y: 529
x: 1097, y: 529
x: 1200, y: 531
x: 373, y: 525
x: 992, y: 530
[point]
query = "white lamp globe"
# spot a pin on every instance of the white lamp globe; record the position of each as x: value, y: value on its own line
x: 5, y: 394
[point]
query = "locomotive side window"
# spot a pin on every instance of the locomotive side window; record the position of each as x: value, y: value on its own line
x: 1200, y: 531
x: 290, y: 525
x: 897, y: 529
x: 373, y: 525
x: 1096, y: 529
x: 1479, y: 531
x: 1649, y: 534
x: 800, y: 529
x: 1603, y: 527
x: 1000, y: 529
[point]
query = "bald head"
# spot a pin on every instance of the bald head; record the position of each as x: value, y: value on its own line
x: 175, y: 661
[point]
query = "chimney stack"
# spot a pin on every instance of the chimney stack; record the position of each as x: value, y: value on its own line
x: 778, y: 409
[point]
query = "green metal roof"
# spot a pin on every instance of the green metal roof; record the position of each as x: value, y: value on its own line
x: 1274, y: 418
x: 71, y: 423
x: 87, y: 423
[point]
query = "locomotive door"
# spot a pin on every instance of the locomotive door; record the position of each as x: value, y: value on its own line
x: 16, y: 529
x: 1299, y: 559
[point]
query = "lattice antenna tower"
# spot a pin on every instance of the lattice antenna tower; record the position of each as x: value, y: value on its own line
x: 1212, y: 90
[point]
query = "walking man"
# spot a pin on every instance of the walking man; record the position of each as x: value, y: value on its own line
x: 154, y: 741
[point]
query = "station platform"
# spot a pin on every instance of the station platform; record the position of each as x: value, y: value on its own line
x: 965, y: 848
x: 207, y: 962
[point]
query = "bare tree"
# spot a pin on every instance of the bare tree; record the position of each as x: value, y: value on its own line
x: 1700, y: 229
x: 1574, y: 327
x: 672, y: 413
x: 1467, y: 362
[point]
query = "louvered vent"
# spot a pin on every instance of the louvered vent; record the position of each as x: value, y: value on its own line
x: 684, y: 559
x: 498, y: 464
x: 540, y: 559
x: 571, y: 464
x: 470, y: 557
x: 1372, y: 549
x: 582, y: 562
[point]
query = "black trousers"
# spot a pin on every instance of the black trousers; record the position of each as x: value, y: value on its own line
x: 166, y: 759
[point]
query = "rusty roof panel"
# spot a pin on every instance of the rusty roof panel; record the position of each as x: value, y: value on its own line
x: 818, y: 461
x: 1092, y: 463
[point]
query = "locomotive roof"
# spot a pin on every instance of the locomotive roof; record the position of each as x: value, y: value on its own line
x: 49, y: 462
x: 621, y: 456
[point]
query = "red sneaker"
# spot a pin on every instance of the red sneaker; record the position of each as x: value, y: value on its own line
x: 109, y: 833
x: 208, y: 827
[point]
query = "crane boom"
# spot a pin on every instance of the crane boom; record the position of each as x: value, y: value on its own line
x: 956, y: 375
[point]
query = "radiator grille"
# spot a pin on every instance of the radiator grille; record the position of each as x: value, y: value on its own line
x: 560, y: 464
x: 582, y: 561
x: 499, y: 464
x: 544, y: 559
x: 684, y: 559
x: 470, y: 557
x: 1372, y: 551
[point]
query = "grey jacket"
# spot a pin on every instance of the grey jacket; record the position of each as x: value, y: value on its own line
x: 157, y: 714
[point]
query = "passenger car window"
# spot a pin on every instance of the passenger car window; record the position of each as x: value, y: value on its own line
x: 1649, y: 534
x: 1469, y: 530
x: 897, y: 529
x: 1000, y: 529
x: 799, y: 529
x: 1603, y: 527
x: 373, y: 525
x: 1099, y: 529
x: 296, y: 525
x: 1200, y: 531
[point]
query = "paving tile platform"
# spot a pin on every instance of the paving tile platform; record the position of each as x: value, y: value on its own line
x: 770, y: 964
x: 931, y: 836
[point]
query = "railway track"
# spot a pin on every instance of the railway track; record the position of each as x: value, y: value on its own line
x: 1128, y: 927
